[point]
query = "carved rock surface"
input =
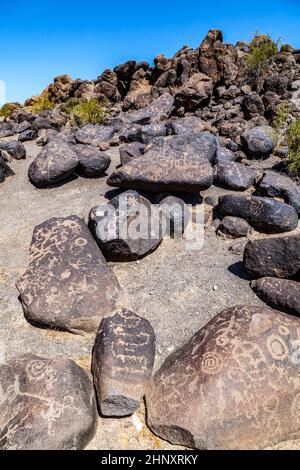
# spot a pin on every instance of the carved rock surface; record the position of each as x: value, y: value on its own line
x: 123, y: 359
x: 281, y: 294
x: 259, y: 141
x: 273, y: 257
x: 45, y: 404
x: 130, y: 151
x: 234, y: 175
x: 67, y: 284
x: 276, y: 185
x: 262, y: 213
x: 94, y: 134
x: 233, y: 385
x: 92, y: 162
x: 234, y: 227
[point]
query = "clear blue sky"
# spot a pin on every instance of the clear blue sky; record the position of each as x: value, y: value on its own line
x: 42, y: 39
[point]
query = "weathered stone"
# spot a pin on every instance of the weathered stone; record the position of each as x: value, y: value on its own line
x: 127, y: 228
x: 259, y: 141
x: 281, y: 294
x: 43, y: 123
x: 194, y: 93
x: 232, y: 385
x: 130, y: 151
x: 123, y: 359
x: 92, y: 162
x: 276, y: 185
x: 94, y: 134
x: 273, y: 257
x: 234, y: 227
x: 252, y: 105
x: 67, y: 284
x: 165, y: 173
x: 5, y: 170
x: 144, y: 134
x: 224, y: 155
x: 22, y: 127
x: 6, y: 133
x: 28, y: 135
x: 159, y: 110
x: 45, y: 404
x: 234, y: 175
x: 262, y: 213
x: 186, y: 125
x: 278, y: 84
x: 14, y: 148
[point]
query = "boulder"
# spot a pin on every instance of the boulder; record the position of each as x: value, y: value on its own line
x: 224, y: 155
x: 252, y: 105
x: 45, y: 404
x: 6, y: 133
x: 143, y: 134
x: 22, y: 127
x: 92, y: 162
x: 130, y: 151
x: 186, y: 125
x: 234, y: 175
x: 94, y: 135
x: 28, y: 135
x: 273, y: 257
x: 127, y: 228
x: 232, y: 386
x: 55, y: 163
x: 234, y: 227
x: 195, y: 93
x: 276, y: 185
x: 67, y: 284
x: 43, y: 123
x: 164, y: 174
x: 259, y: 141
x: 281, y: 294
x: 262, y: 213
x: 14, y: 148
x: 159, y: 110
x: 122, y: 364
x: 5, y: 170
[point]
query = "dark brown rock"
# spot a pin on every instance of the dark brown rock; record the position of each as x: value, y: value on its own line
x: 92, y: 162
x: 130, y: 151
x: 5, y: 170
x: 234, y: 227
x: 281, y: 294
x: 14, y: 148
x: 276, y: 185
x: 68, y: 284
x: 94, y: 135
x: 232, y: 385
x: 234, y: 175
x: 123, y: 359
x: 45, y: 404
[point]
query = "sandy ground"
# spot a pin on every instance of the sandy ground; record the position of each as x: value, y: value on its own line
x: 176, y: 289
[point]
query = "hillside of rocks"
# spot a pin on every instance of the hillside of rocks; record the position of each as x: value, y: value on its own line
x: 149, y: 338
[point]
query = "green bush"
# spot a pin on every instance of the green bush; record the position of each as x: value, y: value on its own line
x: 42, y: 103
x: 280, y: 122
x: 293, y: 141
x: 262, y: 51
x: 7, y: 109
x: 85, y: 111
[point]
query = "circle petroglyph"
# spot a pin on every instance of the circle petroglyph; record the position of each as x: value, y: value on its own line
x: 277, y: 348
x: 36, y: 369
x: 211, y: 363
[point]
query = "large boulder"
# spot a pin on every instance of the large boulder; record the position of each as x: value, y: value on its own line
x: 5, y: 170
x: 276, y: 185
x: 67, y: 284
x: 45, y: 404
x: 127, y: 228
x: 259, y: 141
x: 122, y: 364
x: 195, y: 93
x: 262, y: 213
x: 234, y: 175
x: 281, y: 294
x: 92, y: 162
x: 94, y: 135
x: 234, y: 227
x: 159, y: 110
x: 232, y: 386
x: 186, y: 125
x: 273, y: 257
x: 14, y: 148
x: 55, y: 163
x: 28, y: 135
x: 166, y: 173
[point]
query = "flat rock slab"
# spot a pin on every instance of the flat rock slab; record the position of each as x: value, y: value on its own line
x: 123, y: 359
x: 92, y: 162
x: 281, y: 294
x: 232, y: 385
x: 273, y: 257
x: 68, y: 284
x: 268, y: 215
x: 234, y: 175
x: 45, y: 404
x: 94, y: 135
x: 276, y: 185
x: 182, y: 174
x: 55, y: 163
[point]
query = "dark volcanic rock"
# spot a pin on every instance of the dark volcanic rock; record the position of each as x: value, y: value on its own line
x: 195, y: 93
x: 67, y: 284
x: 123, y: 359
x: 5, y: 170
x: 157, y: 111
x: 182, y: 174
x: 234, y: 227
x: 130, y: 151
x: 54, y: 164
x: 281, y: 294
x: 14, y: 148
x: 94, y: 135
x: 252, y: 105
x: 262, y: 213
x: 259, y: 141
x: 43, y: 123
x: 92, y: 162
x: 45, y: 404
x: 6, y: 133
x: 224, y: 155
x: 186, y: 125
x: 127, y: 228
x: 22, y: 127
x: 144, y: 134
x: 273, y: 257
x: 276, y: 185
x: 28, y: 135
x: 234, y: 175
x: 232, y: 385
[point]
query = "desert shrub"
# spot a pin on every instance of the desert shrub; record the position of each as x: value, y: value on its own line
x: 262, y: 51
x: 42, y: 103
x: 7, y: 109
x: 293, y: 142
x: 281, y: 120
x: 85, y: 111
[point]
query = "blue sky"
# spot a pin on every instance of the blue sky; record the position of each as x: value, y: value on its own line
x: 39, y: 40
